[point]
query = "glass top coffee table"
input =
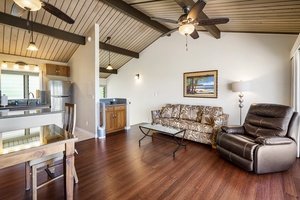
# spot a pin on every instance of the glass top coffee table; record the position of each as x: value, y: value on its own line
x: 150, y: 128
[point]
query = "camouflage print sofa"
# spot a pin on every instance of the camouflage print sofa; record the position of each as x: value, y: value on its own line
x: 201, y: 122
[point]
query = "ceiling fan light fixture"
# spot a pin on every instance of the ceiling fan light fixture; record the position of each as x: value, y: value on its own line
x: 32, y: 5
x: 32, y: 47
x: 186, y: 29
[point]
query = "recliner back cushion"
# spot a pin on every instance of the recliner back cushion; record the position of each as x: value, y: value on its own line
x: 268, y: 120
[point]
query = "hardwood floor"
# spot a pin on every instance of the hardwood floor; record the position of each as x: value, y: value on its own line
x: 117, y: 168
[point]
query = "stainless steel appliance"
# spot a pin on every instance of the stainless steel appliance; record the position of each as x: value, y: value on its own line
x: 60, y: 93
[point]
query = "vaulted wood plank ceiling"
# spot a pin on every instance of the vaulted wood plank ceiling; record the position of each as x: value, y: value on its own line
x: 256, y: 16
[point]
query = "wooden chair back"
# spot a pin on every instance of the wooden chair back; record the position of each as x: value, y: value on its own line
x: 70, y: 118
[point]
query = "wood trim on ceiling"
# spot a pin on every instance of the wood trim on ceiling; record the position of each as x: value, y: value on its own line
x: 40, y: 28
x: 104, y: 70
x: 136, y: 14
x: 118, y: 50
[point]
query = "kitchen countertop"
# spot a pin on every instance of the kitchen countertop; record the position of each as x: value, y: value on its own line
x: 25, y: 107
x: 24, y: 113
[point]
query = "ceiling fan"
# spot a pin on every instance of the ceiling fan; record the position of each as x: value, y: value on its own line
x: 191, y: 18
x: 21, y: 6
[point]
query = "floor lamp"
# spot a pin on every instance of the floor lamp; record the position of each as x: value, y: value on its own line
x: 241, y: 87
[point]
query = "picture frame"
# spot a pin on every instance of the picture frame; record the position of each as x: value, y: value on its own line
x: 201, y: 84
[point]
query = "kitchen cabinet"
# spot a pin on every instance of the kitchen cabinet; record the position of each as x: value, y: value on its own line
x: 57, y: 70
x: 115, y: 118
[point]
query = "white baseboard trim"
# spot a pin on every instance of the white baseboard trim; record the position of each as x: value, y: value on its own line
x: 85, y: 131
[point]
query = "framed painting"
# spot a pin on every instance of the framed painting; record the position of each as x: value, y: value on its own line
x: 203, y: 84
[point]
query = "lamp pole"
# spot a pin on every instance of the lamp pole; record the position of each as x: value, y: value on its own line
x: 241, y: 105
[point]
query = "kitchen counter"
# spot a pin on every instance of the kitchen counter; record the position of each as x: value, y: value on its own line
x: 25, y: 107
x: 25, y: 113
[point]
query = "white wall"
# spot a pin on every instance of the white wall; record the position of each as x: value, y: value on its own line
x: 85, y: 76
x: 261, y: 58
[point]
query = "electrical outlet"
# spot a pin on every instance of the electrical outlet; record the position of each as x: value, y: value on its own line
x: 86, y: 123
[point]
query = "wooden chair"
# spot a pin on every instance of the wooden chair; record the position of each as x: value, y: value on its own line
x: 47, y: 163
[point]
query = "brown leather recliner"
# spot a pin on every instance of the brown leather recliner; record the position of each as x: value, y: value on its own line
x: 266, y: 142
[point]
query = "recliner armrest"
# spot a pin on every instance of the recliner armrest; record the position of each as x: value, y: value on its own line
x: 233, y: 129
x: 273, y: 140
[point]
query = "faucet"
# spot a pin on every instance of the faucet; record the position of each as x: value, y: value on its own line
x: 31, y: 94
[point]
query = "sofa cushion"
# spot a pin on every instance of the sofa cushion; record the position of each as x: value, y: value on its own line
x: 189, y: 112
x: 176, y: 111
x: 207, y: 119
x: 166, y: 112
x: 213, y: 111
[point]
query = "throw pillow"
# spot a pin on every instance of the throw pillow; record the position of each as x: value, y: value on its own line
x: 166, y: 112
x: 207, y: 119
x: 176, y: 111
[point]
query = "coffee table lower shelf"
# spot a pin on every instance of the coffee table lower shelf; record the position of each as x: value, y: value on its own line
x: 149, y: 128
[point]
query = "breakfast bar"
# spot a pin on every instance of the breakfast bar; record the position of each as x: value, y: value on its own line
x: 16, y: 147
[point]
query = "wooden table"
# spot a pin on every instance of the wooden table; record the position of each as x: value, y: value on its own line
x: 51, y: 139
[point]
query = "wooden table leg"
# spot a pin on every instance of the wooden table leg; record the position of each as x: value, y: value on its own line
x: 68, y: 170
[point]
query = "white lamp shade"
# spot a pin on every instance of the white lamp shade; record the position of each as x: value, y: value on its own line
x: 186, y: 29
x: 241, y: 86
x: 33, y: 5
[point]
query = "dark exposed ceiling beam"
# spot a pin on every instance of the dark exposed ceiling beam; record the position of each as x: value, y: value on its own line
x: 118, y: 50
x: 104, y: 70
x: 40, y: 28
x: 136, y: 14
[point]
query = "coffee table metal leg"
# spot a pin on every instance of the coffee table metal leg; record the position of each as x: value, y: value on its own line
x: 145, y: 135
x: 179, y: 143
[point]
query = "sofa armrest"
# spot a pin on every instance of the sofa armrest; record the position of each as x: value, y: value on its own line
x: 155, y: 114
x: 233, y: 129
x: 273, y: 140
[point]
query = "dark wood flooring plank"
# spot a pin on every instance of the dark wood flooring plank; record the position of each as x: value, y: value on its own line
x: 117, y: 168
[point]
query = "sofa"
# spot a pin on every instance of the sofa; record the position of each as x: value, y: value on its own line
x: 265, y: 143
x: 201, y: 122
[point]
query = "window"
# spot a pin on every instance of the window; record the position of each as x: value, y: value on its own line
x: 102, y: 91
x: 18, y: 85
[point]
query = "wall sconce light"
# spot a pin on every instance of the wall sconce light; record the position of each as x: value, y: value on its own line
x: 241, y: 87
x: 137, y: 76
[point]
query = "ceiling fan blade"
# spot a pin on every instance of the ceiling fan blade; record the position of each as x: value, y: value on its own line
x: 170, y: 32
x: 164, y: 20
x: 56, y: 12
x: 194, y: 34
x: 212, y: 21
x: 16, y: 10
x: 196, y: 9
x: 185, y: 3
